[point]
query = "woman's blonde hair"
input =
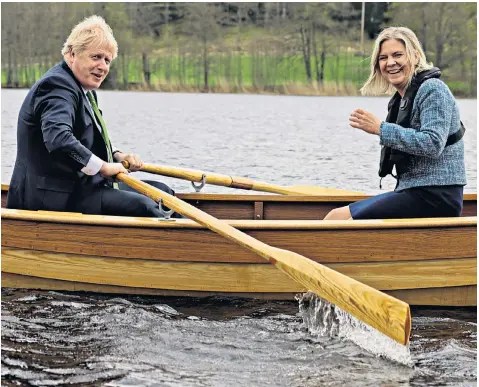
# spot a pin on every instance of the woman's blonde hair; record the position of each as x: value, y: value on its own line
x: 91, y: 31
x: 376, y: 83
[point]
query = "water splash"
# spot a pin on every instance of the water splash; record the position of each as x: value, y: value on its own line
x: 321, y: 318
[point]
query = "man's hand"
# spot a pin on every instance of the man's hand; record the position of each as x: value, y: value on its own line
x: 134, y: 160
x: 112, y: 169
x: 364, y: 120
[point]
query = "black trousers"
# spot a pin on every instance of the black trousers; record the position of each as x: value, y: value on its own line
x: 103, y: 200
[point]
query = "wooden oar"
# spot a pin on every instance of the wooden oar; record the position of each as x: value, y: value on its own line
x: 241, y: 182
x: 381, y: 311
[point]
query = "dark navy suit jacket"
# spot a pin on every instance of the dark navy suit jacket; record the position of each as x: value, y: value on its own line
x: 56, y: 136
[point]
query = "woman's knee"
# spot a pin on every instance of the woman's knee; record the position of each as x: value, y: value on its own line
x: 342, y: 213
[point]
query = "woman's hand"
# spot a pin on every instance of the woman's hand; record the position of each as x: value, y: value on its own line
x: 361, y: 119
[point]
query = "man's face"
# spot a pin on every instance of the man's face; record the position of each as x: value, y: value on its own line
x: 91, y: 66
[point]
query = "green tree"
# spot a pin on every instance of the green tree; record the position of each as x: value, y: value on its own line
x: 448, y: 34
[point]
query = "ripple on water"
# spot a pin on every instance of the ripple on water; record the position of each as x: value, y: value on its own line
x: 52, y: 338
x: 325, y: 319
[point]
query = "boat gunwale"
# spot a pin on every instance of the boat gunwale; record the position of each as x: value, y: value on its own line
x: 247, y: 196
x: 125, y: 221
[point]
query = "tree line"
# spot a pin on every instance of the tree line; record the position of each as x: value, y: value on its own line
x: 282, y: 47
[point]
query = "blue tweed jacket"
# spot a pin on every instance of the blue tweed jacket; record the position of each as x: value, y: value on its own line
x: 435, y: 115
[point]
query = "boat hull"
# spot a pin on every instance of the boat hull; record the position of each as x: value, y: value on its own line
x: 444, y: 296
x: 423, y: 261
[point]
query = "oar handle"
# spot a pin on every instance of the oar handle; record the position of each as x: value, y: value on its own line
x: 196, y: 176
x: 241, y: 182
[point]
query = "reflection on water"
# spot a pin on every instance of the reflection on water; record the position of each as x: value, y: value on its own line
x: 51, y: 338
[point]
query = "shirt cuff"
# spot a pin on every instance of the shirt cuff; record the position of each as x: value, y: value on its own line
x: 93, y: 166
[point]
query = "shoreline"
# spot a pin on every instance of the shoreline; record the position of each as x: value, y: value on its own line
x: 283, y: 90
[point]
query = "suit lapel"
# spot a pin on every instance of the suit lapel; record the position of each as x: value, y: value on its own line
x: 86, y: 103
x: 89, y: 109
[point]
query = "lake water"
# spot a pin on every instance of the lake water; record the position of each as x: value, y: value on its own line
x: 53, y: 338
x: 278, y: 139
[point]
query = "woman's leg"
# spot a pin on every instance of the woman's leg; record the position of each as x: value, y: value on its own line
x: 377, y: 207
x: 419, y: 202
x: 342, y: 213
x: 392, y: 205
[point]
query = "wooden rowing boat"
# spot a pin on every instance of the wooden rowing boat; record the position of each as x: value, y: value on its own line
x: 421, y: 261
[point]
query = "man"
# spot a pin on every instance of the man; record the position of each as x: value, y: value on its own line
x: 65, y: 161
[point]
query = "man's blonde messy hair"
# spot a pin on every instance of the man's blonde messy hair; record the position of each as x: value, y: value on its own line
x: 376, y: 83
x: 91, y: 32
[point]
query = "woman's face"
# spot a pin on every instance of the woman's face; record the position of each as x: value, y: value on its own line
x: 393, y: 64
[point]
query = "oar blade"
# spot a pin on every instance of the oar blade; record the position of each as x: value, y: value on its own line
x: 387, y: 314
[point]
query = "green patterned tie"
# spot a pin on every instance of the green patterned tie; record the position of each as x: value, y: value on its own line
x: 104, y: 132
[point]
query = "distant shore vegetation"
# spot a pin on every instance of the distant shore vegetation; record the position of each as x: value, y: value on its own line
x: 277, y: 48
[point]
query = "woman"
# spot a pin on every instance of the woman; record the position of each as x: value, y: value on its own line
x: 422, y: 133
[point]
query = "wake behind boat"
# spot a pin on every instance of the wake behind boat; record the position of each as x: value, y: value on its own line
x: 420, y: 261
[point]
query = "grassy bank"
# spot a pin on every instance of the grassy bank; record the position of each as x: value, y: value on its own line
x: 327, y: 89
x: 344, y: 74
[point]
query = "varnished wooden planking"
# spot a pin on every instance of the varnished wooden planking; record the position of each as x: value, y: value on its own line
x: 258, y: 211
x: 451, y: 296
x: 159, y: 244
x: 241, y: 206
x: 128, y: 221
x: 387, y: 314
x: 273, y: 209
x: 202, y: 245
x: 221, y: 277
x: 469, y: 208
x: 242, y: 196
x: 287, y: 198
x: 284, y: 210
x: 234, y: 210
x: 299, y: 210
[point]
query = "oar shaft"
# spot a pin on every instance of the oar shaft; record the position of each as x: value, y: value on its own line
x: 197, y: 176
x: 236, y: 181
x: 189, y: 211
x: 383, y: 312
